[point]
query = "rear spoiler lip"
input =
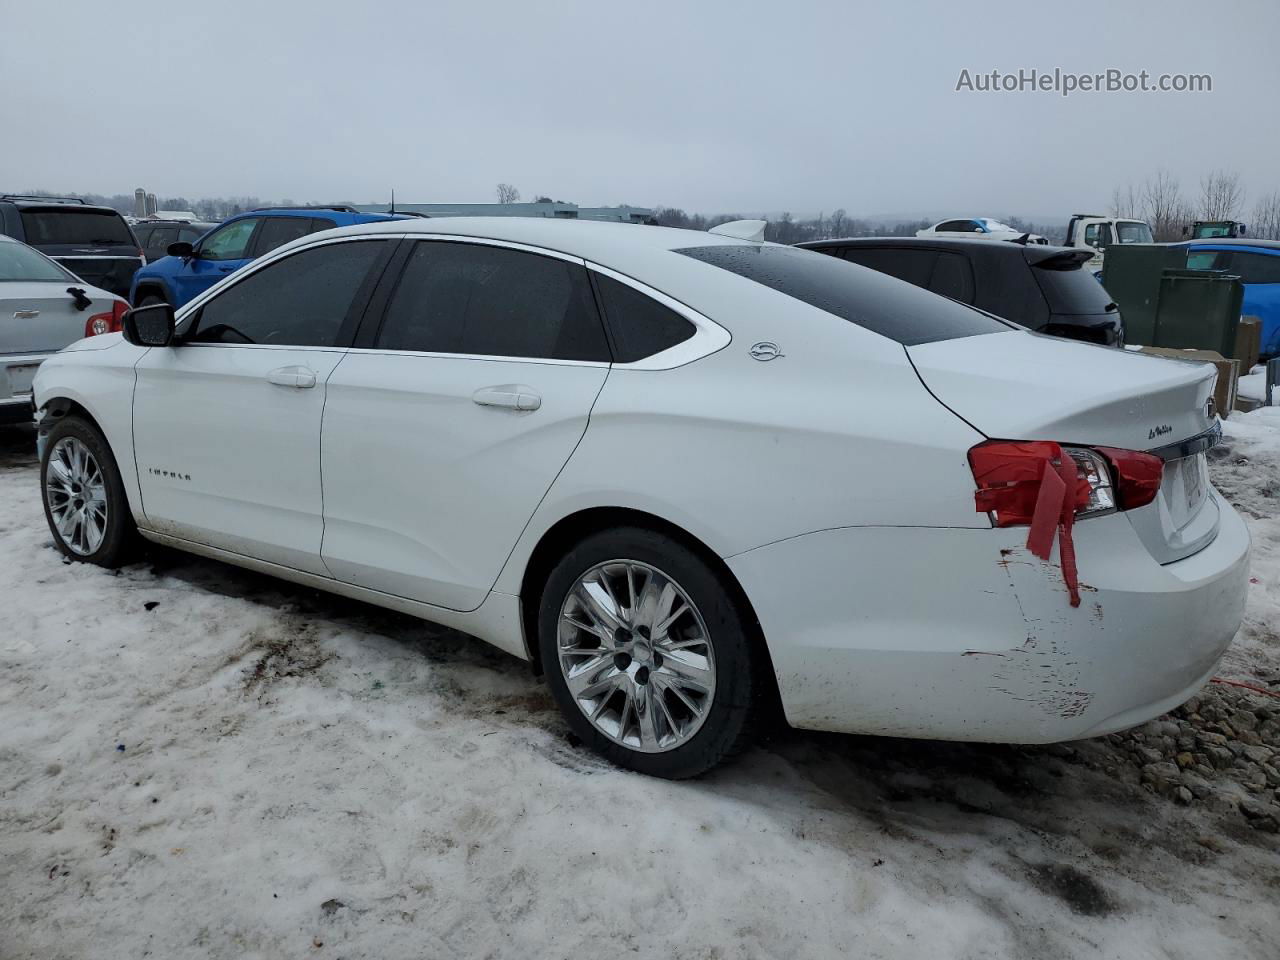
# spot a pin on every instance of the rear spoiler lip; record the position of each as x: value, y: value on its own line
x: 1190, y: 446
x: 1056, y: 258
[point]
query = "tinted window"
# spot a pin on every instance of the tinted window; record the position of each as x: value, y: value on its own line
x: 492, y: 301
x: 301, y: 300
x: 1073, y: 290
x: 162, y: 237
x: 952, y: 277
x: 913, y: 266
x: 957, y: 226
x: 277, y: 231
x: 75, y: 226
x: 230, y: 242
x: 895, y: 310
x: 190, y: 234
x: 18, y: 262
x: 144, y: 235
x: 640, y: 326
x: 1255, y: 267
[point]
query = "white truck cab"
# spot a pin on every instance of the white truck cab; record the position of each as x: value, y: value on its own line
x: 1096, y: 232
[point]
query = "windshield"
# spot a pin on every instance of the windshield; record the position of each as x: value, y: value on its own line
x: 20, y: 262
x: 84, y: 227
x: 1132, y: 232
x: 882, y: 304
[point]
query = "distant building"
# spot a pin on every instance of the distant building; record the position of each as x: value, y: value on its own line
x: 560, y: 211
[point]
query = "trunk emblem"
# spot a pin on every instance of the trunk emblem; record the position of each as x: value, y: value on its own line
x: 25, y: 314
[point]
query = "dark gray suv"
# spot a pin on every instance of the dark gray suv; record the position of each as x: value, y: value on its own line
x: 1041, y: 287
x: 94, y: 243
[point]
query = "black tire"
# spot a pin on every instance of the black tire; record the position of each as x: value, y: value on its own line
x: 738, y: 671
x: 150, y: 299
x: 120, y: 536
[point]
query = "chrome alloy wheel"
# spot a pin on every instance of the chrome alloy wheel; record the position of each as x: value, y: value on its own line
x: 636, y: 656
x: 76, y: 492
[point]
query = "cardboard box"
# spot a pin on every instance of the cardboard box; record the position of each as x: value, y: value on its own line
x: 1248, y: 343
x: 1224, y: 391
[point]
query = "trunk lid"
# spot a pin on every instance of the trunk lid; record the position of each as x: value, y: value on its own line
x: 1023, y: 386
x: 41, y: 317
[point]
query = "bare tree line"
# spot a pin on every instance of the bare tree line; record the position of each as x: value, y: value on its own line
x: 1159, y: 201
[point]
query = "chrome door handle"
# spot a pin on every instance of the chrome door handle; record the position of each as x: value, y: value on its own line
x: 513, y: 396
x: 303, y: 378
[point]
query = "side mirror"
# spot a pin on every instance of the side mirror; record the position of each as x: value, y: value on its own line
x: 180, y: 248
x: 149, y: 326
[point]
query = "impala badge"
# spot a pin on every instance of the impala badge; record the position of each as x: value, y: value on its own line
x: 765, y: 351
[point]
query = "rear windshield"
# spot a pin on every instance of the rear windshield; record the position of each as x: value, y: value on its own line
x: 18, y: 262
x: 100, y: 228
x: 1072, y: 290
x: 881, y: 304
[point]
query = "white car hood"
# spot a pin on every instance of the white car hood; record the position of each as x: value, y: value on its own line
x: 1025, y: 386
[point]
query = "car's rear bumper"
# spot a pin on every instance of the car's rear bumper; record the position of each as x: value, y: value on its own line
x: 961, y: 634
x: 16, y: 374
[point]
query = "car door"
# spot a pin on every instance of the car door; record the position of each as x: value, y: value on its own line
x: 223, y: 251
x: 443, y: 433
x: 227, y: 423
x: 276, y: 231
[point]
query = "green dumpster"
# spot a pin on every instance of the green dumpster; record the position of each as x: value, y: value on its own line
x: 1131, y: 274
x: 1197, y: 309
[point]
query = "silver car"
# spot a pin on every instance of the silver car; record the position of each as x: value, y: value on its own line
x: 43, y: 307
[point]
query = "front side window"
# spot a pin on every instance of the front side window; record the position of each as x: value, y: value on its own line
x: 481, y: 300
x: 902, y: 312
x: 640, y: 325
x: 302, y: 300
x: 1131, y: 232
x: 231, y: 242
x: 162, y: 237
x: 277, y: 231
x: 19, y: 262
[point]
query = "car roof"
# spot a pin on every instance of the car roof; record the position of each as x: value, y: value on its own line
x: 25, y: 203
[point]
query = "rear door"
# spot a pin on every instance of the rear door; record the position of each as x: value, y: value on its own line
x: 277, y: 231
x: 442, y: 435
x: 227, y: 424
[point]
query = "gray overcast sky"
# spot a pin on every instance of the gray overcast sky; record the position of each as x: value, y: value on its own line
x: 710, y: 106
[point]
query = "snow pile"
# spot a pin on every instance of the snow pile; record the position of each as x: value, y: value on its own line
x: 196, y: 761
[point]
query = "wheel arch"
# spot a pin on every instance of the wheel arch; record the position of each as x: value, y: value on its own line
x: 572, y: 528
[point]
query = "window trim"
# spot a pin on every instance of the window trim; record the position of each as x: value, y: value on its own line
x: 708, y: 336
x: 190, y: 311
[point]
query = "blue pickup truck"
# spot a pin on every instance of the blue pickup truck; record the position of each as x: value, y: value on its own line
x: 192, y: 268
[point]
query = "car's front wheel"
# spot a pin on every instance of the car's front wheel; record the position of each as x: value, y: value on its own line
x: 648, y: 653
x: 84, y: 498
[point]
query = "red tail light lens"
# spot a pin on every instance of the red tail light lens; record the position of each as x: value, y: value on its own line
x: 1008, y: 475
x: 1138, y: 476
x: 109, y: 322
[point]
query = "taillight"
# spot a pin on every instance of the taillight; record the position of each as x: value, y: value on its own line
x: 1009, y: 474
x: 110, y: 322
x: 1138, y: 475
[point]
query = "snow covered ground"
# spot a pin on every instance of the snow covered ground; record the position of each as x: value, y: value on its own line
x: 196, y: 761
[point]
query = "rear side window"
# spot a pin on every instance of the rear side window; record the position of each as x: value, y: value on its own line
x: 76, y: 226
x: 300, y: 301
x: 952, y: 277
x: 640, y: 325
x: 1255, y: 267
x: 881, y: 304
x: 913, y: 266
x: 277, y: 231
x: 492, y: 301
x: 1072, y: 290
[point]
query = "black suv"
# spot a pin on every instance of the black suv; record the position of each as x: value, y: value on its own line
x: 156, y: 235
x: 94, y: 243
x: 1041, y: 287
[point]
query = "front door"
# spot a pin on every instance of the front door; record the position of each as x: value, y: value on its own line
x: 227, y: 424
x: 222, y: 252
x: 442, y: 438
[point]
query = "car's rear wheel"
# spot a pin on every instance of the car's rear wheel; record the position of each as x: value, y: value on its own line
x: 647, y: 653
x: 83, y: 493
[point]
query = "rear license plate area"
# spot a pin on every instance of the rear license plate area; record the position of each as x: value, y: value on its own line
x: 20, y: 377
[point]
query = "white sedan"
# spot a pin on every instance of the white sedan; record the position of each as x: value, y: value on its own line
x: 979, y: 228
x: 686, y: 475
x: 43, y: 307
